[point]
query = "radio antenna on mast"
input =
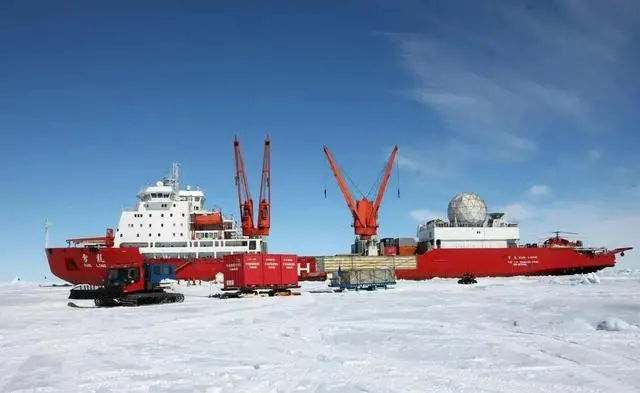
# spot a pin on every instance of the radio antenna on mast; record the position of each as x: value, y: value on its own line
x: 47, y: 225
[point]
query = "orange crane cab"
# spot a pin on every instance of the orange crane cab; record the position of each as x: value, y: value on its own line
x: 364, y: 211
x: 244, y: 195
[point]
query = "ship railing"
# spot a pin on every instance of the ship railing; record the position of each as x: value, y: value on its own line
x: 445, y: 224
x: 603, y: 250
x: 87, y: 244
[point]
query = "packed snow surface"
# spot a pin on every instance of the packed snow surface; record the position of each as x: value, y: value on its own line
x: 544, y: 334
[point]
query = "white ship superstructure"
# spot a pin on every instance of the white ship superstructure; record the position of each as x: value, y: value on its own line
x: 168, y: 222
x: 469, y: 226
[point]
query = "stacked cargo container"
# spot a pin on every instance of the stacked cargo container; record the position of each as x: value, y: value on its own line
x: 402, y: 246
x: 271, y: 270
x: 289, y: 270
x: 407, y: 246
x: 257, y: 271
x: 308, y: 270
x: 388, y: 247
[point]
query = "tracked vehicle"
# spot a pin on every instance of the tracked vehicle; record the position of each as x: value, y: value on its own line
x: 130, y: 285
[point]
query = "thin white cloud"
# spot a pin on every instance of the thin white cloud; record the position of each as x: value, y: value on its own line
x: 423, y: 215
x: 427, y: 160
x: 594, y: 154
x: 513, y: 73
x: 518, y: 211
x: 510, y: 80
x: 538, y: 190
x: 407, y: 163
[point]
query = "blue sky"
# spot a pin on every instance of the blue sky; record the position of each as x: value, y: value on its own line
x: 532, y: 106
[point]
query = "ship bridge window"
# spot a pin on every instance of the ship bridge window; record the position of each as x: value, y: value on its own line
x: 252, y: 245
x: 236, y: 243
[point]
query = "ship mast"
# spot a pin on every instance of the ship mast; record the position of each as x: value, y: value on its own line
x: 47, y: 225
x: 175, y: 176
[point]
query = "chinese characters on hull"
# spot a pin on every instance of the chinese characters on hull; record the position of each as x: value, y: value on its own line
x: 98, y: 263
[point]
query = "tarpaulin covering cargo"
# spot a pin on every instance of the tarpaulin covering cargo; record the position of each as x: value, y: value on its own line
x: 364, y: 277
x: 331, y: 264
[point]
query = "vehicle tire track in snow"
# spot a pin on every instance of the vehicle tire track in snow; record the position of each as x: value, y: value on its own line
x: 615, y: 358
x: 86, y: 337
x: 446, y: 332
x: 586, y: 372
x: 234, y: 319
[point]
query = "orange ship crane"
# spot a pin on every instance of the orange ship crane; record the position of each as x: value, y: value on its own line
x: 364, y: 211
x: 244, y: 195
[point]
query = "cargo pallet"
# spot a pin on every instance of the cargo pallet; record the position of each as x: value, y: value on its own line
x: 234, y: 293
x: 367, y: 286
x: 315, y: 276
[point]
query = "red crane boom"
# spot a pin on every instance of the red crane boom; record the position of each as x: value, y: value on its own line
x: 365, y: 212
x: 244, y: 195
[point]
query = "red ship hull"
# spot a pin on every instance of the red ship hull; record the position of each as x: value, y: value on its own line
x: 86, y: 265
x: 507, y: 262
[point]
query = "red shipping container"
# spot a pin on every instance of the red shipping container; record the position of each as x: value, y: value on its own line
x: 243, y: 271
x: 289, y: 270
x: 271, y: 270
x: 306, y: 265
x: 390, y: 250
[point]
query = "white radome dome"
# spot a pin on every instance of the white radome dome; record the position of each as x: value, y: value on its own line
x: 467, y: 208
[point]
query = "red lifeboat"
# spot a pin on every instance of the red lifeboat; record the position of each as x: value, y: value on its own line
x: 211, y: 220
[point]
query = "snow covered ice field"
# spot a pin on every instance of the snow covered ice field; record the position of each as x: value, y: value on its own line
x: 563, y: 334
